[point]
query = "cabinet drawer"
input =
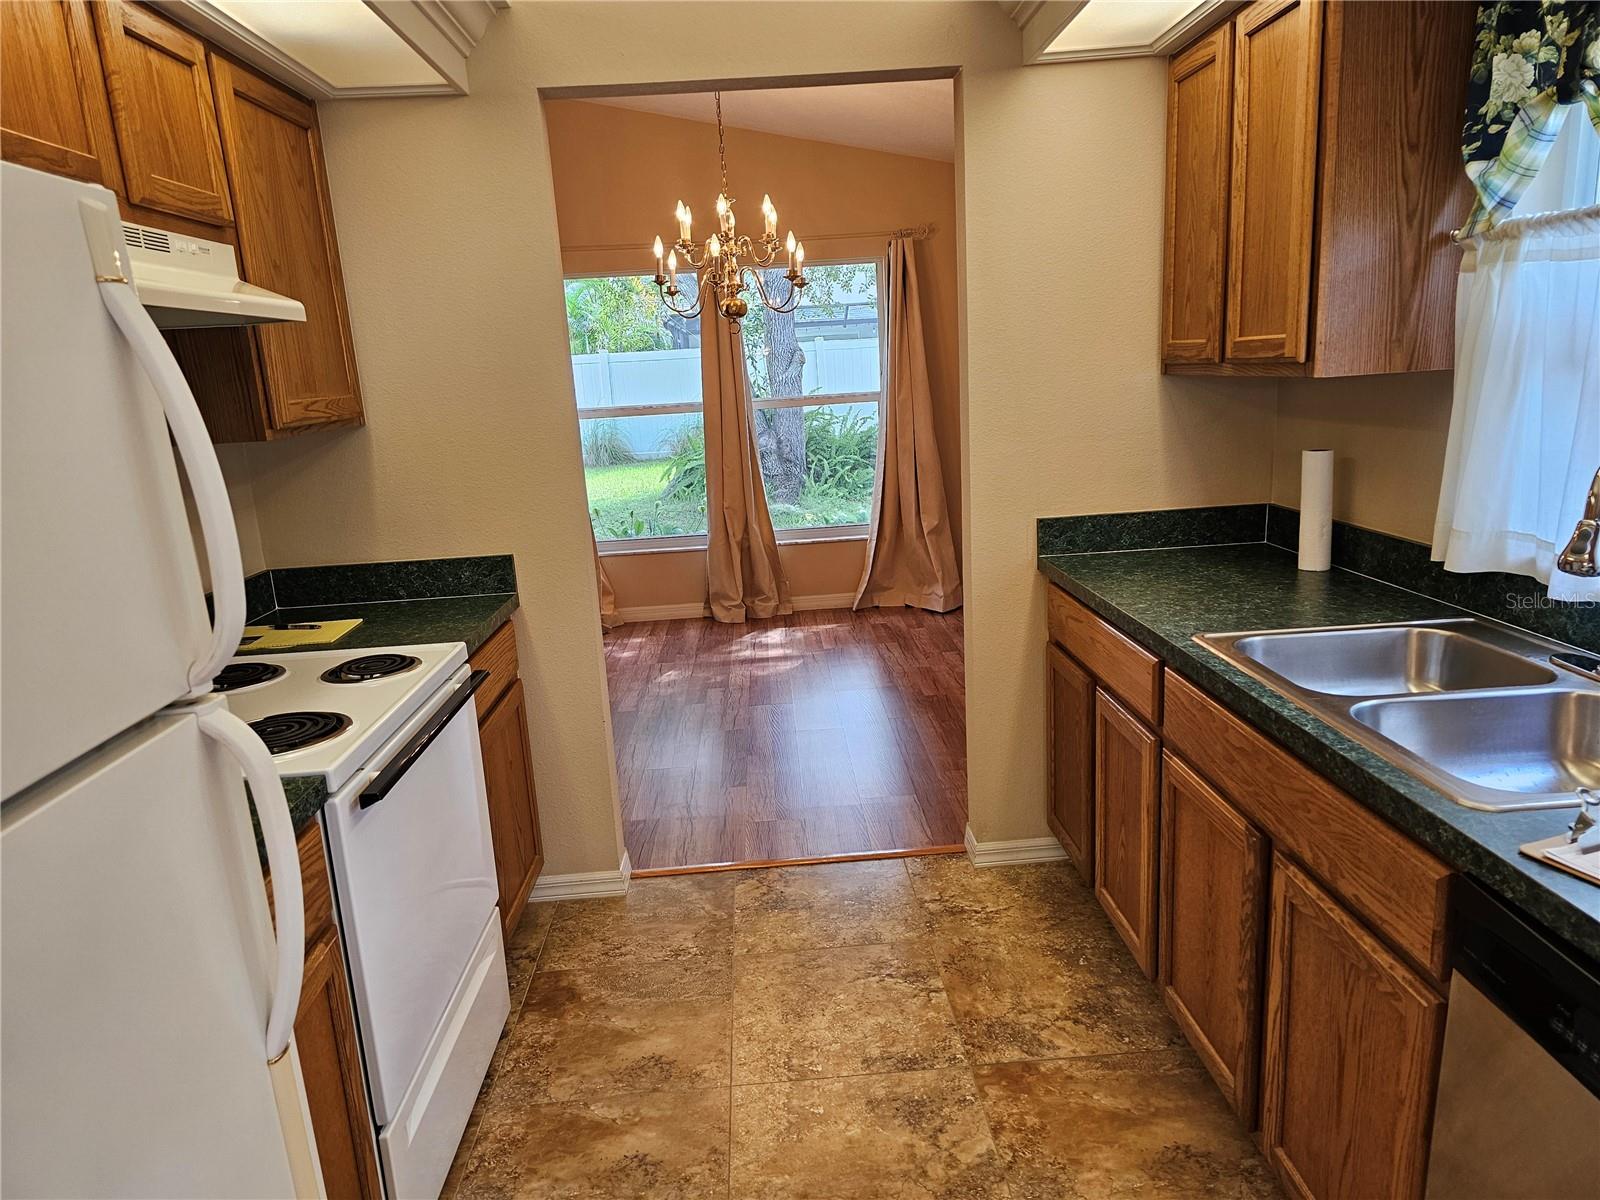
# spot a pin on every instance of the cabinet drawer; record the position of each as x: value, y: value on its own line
x: 1389, y: 880
x: 1130, y: 671
x: 498, y: 656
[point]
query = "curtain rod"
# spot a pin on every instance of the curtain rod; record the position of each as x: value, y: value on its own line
x: 916, y: 233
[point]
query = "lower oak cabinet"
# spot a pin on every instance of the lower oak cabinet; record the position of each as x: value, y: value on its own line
x: 1297, y: 938
x: 326, y: 1042
x: 330, y: 1064
x: 1213, y: 914
x: 1351, y: 1051
x: 1127, y: 767
x: 508, y: 774
x: 1069, y: 708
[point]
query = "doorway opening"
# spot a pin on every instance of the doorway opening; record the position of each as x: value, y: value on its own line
x: 827, y: 732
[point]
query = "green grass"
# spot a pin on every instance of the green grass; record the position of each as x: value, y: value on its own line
x: 624, y: 502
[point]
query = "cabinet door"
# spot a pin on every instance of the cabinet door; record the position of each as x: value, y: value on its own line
x: 1127, y: 767
x: 165, y: 117
x: 1213, y: 920
x: 1069, y: 705
x: 53, y: 110
x: 513, y: 811
x: 330, y: 1063
x: 1199, y: 131
x: 1277, y: 64
x: 287, y: 244
x: 1351, y: 1056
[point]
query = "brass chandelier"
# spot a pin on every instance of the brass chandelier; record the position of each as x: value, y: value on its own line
x: 722, y: 262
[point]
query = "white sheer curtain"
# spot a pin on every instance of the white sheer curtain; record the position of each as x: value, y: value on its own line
x: 1525, y: 426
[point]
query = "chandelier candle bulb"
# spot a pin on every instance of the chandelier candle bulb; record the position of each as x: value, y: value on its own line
x: 726, y: 265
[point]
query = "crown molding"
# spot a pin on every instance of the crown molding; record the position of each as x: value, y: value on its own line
x: 443, y: 33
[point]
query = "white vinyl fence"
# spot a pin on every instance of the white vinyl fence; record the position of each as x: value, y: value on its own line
x: 833, y: 367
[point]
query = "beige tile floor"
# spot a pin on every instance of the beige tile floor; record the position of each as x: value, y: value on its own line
x: 903, y: 1029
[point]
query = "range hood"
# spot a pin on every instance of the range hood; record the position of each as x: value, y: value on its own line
x: 190, y: 283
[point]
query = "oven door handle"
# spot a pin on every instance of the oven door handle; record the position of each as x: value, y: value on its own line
x: 414, y: 749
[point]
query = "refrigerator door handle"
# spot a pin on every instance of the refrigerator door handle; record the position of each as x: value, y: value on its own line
x: 283, y: 861
x: 198, y: 455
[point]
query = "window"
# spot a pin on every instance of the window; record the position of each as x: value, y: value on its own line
x: 636, y: 372
x: 816, y: 382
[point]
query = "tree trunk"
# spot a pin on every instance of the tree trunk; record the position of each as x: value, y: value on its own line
x: 781, y: 432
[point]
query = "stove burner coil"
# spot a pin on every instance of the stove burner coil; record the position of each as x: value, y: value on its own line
x: 245, y: 674
x: 283, y: 732
x: 369, y: 667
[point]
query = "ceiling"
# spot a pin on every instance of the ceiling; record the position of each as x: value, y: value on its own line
x: 915, y: 117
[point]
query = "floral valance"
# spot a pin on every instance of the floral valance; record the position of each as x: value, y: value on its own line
x: 1529, y: 62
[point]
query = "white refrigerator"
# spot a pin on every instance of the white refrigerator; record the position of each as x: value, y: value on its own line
x: 146, y: 1008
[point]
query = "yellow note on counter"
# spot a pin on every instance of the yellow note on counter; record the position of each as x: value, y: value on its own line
x: 295, y: 635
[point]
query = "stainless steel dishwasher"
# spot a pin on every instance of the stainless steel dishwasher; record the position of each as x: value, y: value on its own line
x: 1518, y: 1115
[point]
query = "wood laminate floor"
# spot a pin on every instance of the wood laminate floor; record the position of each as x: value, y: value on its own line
x: 912, y: 1029
x: 817, y: 734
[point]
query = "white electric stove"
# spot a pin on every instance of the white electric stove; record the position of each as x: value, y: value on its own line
x: 394, y: 733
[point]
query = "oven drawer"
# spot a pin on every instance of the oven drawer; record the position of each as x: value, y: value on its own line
x: 419, y: 1145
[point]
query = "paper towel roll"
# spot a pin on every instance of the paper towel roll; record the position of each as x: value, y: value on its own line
x: 1316, y: 509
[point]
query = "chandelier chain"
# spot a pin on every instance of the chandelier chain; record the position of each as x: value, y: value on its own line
x: 722, y: 150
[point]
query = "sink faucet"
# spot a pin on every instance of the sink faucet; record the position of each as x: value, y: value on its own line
x: 1579, y: 556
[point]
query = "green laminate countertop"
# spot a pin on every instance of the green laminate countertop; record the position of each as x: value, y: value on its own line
x: 469, y: 619
x: 1162, y: 598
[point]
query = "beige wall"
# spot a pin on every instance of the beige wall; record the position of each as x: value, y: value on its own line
x: 1388, y: 436
x: 621, y: 198
x: 452, y: 262
x: 236, y: 473
x: 1067, y: 411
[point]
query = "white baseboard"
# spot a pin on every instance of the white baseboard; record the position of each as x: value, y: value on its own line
x: 664, y: 612
x: 1005, y: 854
x: 583, y: 885
x: 836, y: 600
x: 689, y: 612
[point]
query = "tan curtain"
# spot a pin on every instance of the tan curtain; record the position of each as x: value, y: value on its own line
x: 911, y: 555
x: 744, y: 576
x: 609, y: 617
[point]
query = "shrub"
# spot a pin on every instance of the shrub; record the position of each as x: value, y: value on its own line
x: 841, y: 452
x: 684, y: 472
x: 605, y: 445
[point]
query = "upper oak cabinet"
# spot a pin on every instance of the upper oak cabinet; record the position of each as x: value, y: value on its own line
x: 1310, y: 197
x: 165, y: 117
x: 303, y: 374
x: 1199, y: 120
x: 114, y: 93
x: 53, y: 110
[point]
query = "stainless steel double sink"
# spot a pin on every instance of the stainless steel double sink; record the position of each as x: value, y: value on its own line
x: 1478, y: 710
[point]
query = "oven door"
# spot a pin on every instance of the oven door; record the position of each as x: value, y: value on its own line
x: 413, y: 871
